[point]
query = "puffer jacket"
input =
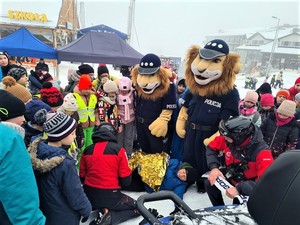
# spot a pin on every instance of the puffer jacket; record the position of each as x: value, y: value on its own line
x: 279, y: 138
x: 62, y: 198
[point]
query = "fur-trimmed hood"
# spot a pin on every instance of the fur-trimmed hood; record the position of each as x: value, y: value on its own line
x: 44, y: 157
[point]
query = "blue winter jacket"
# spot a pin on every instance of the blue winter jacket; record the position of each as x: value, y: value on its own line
x: 62, y: 198
x: 171, y: 181
x: 19, y: 200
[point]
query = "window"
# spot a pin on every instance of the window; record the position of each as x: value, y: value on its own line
x: 285, y: 43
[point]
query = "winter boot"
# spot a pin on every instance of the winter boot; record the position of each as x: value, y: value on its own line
x: 103, y: 218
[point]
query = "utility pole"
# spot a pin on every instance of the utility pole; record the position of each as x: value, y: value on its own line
x: 130, y: 21
x: 274, y: 45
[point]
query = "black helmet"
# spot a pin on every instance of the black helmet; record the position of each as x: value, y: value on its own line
x: 236, y: 128
x: 108, y: 126
x: 17, y: 72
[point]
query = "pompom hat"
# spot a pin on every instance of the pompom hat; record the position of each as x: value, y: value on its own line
x: 16, y: 89
x: 267, y: 100
x: 84, y: 82
x: 32, y: 108
x: 251, y: 96
x: 51, y: 95
x: 58, y: 126
x: 70, y: 103
x: 287, y: 108
x: 10, y: 106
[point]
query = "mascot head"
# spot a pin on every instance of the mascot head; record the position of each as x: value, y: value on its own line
x: 150, y: 79
x: 211, y: 70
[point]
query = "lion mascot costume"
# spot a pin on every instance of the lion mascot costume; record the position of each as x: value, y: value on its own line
x: 155, y: 101
x: 210, y: 75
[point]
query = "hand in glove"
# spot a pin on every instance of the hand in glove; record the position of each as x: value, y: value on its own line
x: 212, y: 137
x: 181, y: 122
x: 176, y: 210
x: 159, y: 127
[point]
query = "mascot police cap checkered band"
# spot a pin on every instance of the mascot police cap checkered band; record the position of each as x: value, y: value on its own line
x: 213, y: 49
x: 149, y: 64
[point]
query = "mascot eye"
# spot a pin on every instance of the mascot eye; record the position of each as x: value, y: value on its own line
x: 217, y: 60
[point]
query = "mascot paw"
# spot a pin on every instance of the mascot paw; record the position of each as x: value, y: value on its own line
x: 180, y: 128
x: 159, y: 128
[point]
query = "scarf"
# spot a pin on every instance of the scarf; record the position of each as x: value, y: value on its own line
x: 281, y: 122
x: 125, y: 100
x: 246, y: 112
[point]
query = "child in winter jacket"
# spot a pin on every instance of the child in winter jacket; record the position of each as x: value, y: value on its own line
x: 70, y: 107
x: 87, y: 108
x: 125, y: 103
x: 266, y: 105
x: 248, y: 109
x: 281, y: 96
x: 103, y: 169
x: 19, y: 199
x: 107, y: 107
x: 62, y: 199
x: 280, y: 129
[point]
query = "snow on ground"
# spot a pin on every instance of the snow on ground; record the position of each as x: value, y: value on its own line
x: 193, y: 199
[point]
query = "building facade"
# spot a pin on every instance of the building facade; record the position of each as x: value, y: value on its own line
x: 55, y: 26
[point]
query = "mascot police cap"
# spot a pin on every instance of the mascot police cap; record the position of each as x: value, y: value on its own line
x: 213, y: 49
x: 149, y: 64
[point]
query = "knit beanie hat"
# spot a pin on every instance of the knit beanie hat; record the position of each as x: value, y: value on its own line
x: 287, y: 108
x: 84, y: 82
x: 251, y: 96
x: 110, y: 86
x: 102, y: 70
x: 191, y: 172
x: 70, y: 103
x: 16, y: 89
x: 51, y: 95
x: 125, y: 84
x: 17, y: 72
x: 58, y: 126
x: 297, y: 97
x: 297, y: 80
x: 265, y: 88
x: 32, y: 108
x: 4, y: 53
x: 85, y: 69
x: 267, y: 100
x: 10, y: 106
x: 284, y: 93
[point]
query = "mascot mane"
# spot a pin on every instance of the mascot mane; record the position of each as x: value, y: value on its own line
x: 217, y: 87
x: 162, y: 74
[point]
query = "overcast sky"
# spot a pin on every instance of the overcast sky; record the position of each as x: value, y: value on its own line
x: 170, y: 27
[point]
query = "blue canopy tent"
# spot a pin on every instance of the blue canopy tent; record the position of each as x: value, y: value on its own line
x: 102, y: 28
x: 99, y: 47
x: 24, y: 43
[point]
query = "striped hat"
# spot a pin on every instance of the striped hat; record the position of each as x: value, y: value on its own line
x: 58, y: 126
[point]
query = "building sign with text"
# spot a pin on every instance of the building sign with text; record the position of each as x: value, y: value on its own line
x: 31, y: 16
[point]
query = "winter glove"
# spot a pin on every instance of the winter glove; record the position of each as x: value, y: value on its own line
x: 212, y: 137
x: 159, y: 127
x: 84, y: 219
x: 181, y: 122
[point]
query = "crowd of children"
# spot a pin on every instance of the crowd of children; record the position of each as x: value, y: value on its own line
x: 91, y: 123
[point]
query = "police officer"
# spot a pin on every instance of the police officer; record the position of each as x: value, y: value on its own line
x: 246, y: 157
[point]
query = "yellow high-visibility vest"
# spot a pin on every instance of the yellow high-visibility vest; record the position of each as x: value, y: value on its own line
x: 84, y: 111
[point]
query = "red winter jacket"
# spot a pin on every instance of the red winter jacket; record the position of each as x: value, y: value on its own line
x: 104, y: 165
x: 260, y: 157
